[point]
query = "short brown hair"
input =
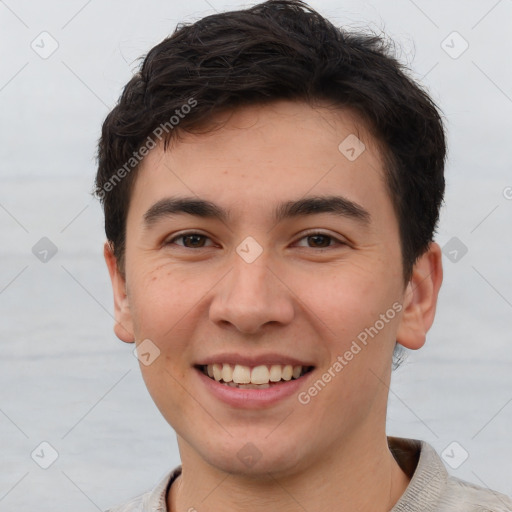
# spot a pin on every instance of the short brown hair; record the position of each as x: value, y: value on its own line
x: 279, y: 49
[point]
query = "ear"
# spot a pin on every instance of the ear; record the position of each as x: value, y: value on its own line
x: 123, y: 326
x: 421, y: 299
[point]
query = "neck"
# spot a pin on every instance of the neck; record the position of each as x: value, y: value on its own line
x: 351, y: 478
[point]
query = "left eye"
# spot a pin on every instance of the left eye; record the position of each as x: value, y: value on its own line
x: 322, y: 239
x: 196, y: 240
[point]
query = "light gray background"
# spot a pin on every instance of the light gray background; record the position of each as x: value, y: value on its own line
x: 66, y: 379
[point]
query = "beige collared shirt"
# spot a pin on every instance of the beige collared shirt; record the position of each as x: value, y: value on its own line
x: 431, y: 488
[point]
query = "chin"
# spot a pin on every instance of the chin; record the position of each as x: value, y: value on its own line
x: 255, y: 456
x: 257, y: 467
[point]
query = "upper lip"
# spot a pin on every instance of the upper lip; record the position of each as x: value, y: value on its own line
x: 245, y: 360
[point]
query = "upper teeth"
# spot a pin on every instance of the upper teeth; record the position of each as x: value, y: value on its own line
x: 257, y: 375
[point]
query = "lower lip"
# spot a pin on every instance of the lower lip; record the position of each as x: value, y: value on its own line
x: 252, y: 398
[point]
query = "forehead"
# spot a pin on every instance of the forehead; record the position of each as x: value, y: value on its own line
x: 259, y: 156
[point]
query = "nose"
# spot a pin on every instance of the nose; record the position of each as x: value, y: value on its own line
x: 251, y: 296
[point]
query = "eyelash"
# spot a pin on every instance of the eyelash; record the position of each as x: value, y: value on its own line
x: 306, y: 235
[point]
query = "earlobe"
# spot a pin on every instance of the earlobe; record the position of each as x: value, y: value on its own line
x: 123, y: 326
x: 421, y: 299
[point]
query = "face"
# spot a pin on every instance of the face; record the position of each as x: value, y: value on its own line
x: 287, y: 280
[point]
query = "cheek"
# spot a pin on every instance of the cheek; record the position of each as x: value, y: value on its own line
x: 348, y: 299
x: 161, y: 304
x: 164, y: 309
x: 360, y: 314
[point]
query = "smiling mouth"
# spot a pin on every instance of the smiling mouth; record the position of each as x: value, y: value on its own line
x: 257, y: 377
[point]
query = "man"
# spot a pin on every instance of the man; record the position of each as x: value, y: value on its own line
x: 271, y: 187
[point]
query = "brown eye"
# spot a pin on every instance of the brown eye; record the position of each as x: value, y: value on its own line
x: 190, y: 240
x: 195, y: 240
x: 318, y: 240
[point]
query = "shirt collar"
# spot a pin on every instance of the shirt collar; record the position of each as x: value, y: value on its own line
x: 157, y: 499
x: 428, y: 478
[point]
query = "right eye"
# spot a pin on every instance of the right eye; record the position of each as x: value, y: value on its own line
x: 190, y: 237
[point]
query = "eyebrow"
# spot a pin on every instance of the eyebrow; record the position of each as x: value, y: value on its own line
x: 315, y: 205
